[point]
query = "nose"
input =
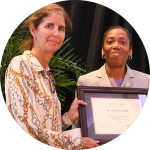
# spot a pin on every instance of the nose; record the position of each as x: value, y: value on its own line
x: 116, y: 45
x: 55, y: 33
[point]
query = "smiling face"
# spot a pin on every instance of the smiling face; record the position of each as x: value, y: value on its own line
x: 116, y: 48
x: 50, y: 33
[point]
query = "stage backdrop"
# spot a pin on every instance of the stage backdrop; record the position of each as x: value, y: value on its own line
x: 90, y: 21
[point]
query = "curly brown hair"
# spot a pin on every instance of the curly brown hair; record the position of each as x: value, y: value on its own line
x: 36, y: 19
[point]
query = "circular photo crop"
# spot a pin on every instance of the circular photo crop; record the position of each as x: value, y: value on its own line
x: 74, y: 75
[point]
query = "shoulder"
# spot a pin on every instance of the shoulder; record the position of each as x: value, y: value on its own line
x: 18, y: 62
x: 135, y: 73
x: 22, y: 57
x: 140, y: 75
x: 96, y: 73
x: 90, y: 75
x: 138, y: 79
x: 17, y: 58
x: 93, y: 73
x: 89, y: 78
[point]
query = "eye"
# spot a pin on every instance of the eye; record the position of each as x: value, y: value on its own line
x: 123, y: 42
x: 109, y: 41
x: 62, y: 28
x: 48, y: 26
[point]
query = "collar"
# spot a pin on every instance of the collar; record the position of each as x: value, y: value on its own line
x: 102, y: 71
x: 129, y: 72
x: 127, y: 81
x: 35, y: 63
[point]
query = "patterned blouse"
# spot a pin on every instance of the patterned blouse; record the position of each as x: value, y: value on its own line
x: 32, y: 100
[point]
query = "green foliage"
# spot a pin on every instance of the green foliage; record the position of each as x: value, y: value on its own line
x: 65, y: 65
x: 11, y: 50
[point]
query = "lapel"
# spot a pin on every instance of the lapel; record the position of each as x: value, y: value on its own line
x: 127, y: 82
x: 102, y: 77
x: 103, y: 80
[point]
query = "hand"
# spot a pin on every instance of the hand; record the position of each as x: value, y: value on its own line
x: 89, y: 143
x: 73, y: 113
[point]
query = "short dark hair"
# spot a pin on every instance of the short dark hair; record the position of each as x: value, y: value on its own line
x: 117, y: 27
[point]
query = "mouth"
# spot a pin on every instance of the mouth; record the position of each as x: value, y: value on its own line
x: 53, y: 41
x: 116, y: 54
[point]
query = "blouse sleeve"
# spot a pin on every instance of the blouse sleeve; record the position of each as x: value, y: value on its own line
x: 21, y: 102
x: 66, y: 122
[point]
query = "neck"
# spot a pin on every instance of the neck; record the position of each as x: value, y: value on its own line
x: 42, y: 57
x: 117, y: 73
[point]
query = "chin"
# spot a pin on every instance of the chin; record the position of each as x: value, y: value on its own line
x: 116, y: 64
x: 53, y: 49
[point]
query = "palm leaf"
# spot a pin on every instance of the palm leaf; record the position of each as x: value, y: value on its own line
x: 64, y: 63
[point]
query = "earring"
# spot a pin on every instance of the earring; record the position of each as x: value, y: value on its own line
x: 130, y: 57
x: 34, y: 37
x: 103, y: 57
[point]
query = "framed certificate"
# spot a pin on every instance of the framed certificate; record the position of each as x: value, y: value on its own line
x: 110, y: 111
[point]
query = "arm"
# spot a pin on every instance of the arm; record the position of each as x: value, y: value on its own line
x: 74, y: 115
x: 66, y: 122
x: 77, y: 122
x: 25, y: 103
x: 78, y: 84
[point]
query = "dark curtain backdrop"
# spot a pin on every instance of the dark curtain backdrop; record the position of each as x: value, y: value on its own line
x: 90, y: 21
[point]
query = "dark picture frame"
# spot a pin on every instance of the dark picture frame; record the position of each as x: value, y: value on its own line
x: 85, y: 112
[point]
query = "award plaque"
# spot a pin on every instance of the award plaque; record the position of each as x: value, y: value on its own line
x: 110, y: 111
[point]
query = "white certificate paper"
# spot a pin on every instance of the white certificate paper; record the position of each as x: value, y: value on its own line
x: 114, y: 115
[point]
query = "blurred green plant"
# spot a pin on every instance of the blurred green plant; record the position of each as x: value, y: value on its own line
x: 65, y: 64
